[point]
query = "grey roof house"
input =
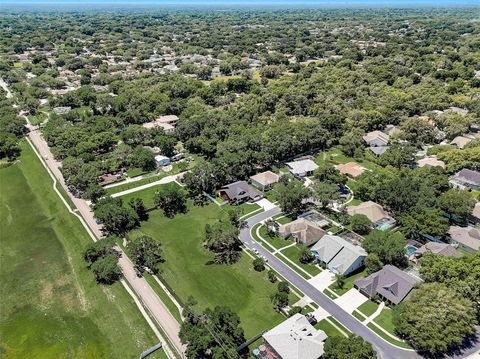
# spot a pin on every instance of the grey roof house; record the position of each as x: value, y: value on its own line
x: 467, y: 238
x: 390, y: 283
x: 239, y: 192
x: 302, y: 168
x: 465, y: 178
x: 294, y: 338
x: 338, y: 254
x: 442, y: 249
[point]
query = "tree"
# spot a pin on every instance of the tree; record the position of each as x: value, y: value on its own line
x: 290, y: 197
x: 458, y: 204
x: 339, y: 281
x: 435, y: 319
x: 142, y: 157
x: 283, y: 287
x: 106, y: 269
x: 361, y: 224
x: 279, y: 300
x: 353, y: 347
x: 326, y: 193
x: 234, y: 215
x: 330, y: 174
x: 202, y: 178
x: 258, y: 264
x: 398, y: 155
x: 99, y: 249
x: 139, y: 207
x: 272, y: 277
x: 146, y: 252
x: 222, y: 239
x: 352, y: 141
x: 461, y: 274
x: 171, y: 200
x: 116, y: 218
x: 8, y: 145
x: 417, y: 131
x: 388, y: 246
x: 166, y: 144
x: 305, y: 255
x: 213, y: 334
x: 373, y: 263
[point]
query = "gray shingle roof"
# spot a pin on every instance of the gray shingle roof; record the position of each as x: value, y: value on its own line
x: 390, y: 282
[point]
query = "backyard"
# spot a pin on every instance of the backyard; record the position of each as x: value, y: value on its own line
x: 51, y: 306
x: 189, y: 270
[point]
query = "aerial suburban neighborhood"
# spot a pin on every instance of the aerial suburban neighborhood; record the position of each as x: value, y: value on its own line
x: 224, y: 181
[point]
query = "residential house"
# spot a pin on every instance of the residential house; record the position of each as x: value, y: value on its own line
x: 391, y: 130
x: 465, y: 178
x: 475, y: 216
x: 294, y: 338
x: 390, y: 283
x: 167, y: 123
x: 302, y: 230
x: 162, y: 160
x: 62, y: 110
x: 338, y: 255
x: 264, y: 180
x: 376, y: 139
x: 107, y: 179
x: 460, y: 111
x: 378, y: 150
x: 239, y: 192
x: 302, y: 168
x: 467, y: 238
x: 375, y: 213
x: 441, y: 249
x: 430, y: 161
x: 351, y: 169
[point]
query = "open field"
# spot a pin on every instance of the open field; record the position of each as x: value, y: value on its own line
x: 148, y: 194
x: 51, y: 306
x: 189, y: 271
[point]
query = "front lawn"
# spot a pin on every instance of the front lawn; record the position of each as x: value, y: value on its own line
x: 135, y: 172
x: 368, y: 308
x: 348, y: 283
x: 148, y: 194
x: 189, y: 271
x: 51, y: 306
x: 276, y: 241
x: 385, y: 320
x: 328, y: 328
x: 292, y: 253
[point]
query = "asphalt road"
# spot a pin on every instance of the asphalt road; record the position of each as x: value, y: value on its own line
x: 384, y: 349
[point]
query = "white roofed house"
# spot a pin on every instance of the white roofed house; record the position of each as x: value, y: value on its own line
x: 430, y: 161
x: 167, y: 123
x: 376, y: 139
x: 302, y: 168
x: 302, y: 230
x: 264, y: 180
x: 338, y: 254
x: 294, y: 338
x: 376, y: 214
x: 467, y: 238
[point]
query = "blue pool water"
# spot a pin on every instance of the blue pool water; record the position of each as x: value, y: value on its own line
x: 384, y: 226
x: 410, y: 250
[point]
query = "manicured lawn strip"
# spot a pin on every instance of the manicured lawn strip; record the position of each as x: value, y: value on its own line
x: 388, y: 338
x: 328, y: 328
x: 64, y: 194
x: 358, y: 316
x: 348, y: 283
x: 337, y: 323
x: 385, y: 320
x: 292, y: 253
x: 245, y: 207
x: 189, y: 269
x: 51, y: 306
x: 283, y: 220
x: 129, y: 185
x: 329, y: 294
x: 164, y: 297
x: 148, y: 194
x: 368, y: 308
x: 276, y: 241
x: 354, y: 202
x: 304, y: 275
x: 135, y: 172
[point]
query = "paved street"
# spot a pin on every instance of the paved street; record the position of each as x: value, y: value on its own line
x: 384, y: 349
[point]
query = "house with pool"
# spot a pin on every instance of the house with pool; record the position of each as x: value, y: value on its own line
x: 375, y: 213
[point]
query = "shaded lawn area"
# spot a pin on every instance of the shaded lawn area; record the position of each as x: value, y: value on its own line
x: 293, y: 252
x: 336, y: 156
x: 368, y: 308
x: 283, y: 220
x: 354, y: 202
x: 385, y: 320
x: 387, y: 337
x: 348, y: 283
x: 276, y: 241
x: 51, y: 306
x: 147, y: 195
x: 189, y: 271
x: 328, y: 328
x: 134, y: 172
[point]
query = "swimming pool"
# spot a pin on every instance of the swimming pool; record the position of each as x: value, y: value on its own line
x: 410, y: 250
x: 384, y: 226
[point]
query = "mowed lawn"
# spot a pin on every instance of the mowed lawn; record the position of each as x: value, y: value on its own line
x: 189, y: 271
x: 50, y: 305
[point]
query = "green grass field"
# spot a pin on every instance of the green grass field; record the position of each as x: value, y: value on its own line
x: 368, y: 308
x: 293, y: 253
x: 348, y: 283
x: 148, y: 194
x: 51, y: 306
x: 189, y: 271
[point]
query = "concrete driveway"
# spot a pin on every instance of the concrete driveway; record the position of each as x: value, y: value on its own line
x: 265, y: 204
x: 323, y: 280
x: 351, y: 300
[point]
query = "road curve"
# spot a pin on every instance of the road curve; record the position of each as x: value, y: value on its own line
x: 384, y: 349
